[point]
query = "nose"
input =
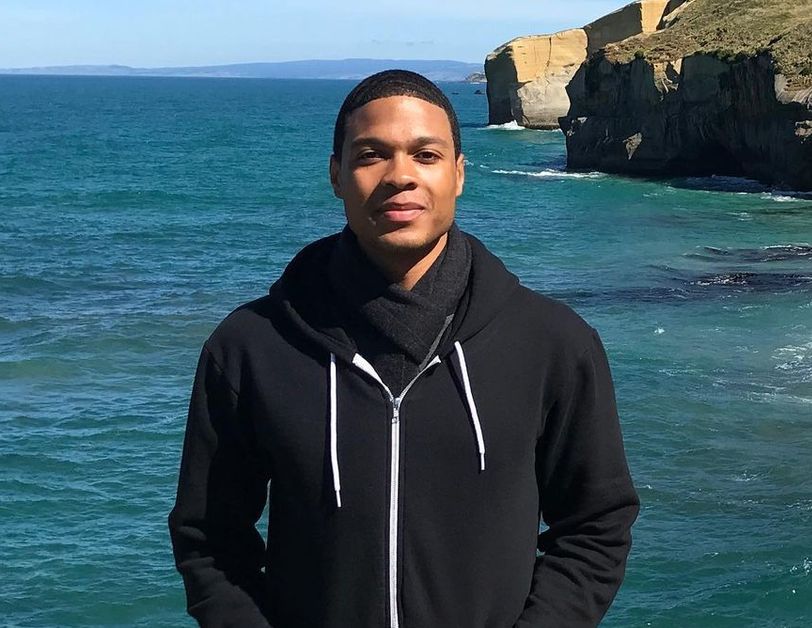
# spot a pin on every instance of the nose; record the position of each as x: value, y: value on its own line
x: 400, y: 173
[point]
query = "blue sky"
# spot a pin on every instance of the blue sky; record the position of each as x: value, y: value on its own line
x: 153, y: 33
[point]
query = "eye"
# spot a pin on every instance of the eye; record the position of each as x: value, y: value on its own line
x: 368, y: 155
x: 427, y: 156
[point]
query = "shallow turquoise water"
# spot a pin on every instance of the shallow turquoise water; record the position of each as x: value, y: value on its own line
x: 136, y: 213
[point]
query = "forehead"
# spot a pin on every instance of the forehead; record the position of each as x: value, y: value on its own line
x: 398, y: 115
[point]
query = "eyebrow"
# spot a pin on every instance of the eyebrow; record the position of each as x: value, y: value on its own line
x: 423, y: 140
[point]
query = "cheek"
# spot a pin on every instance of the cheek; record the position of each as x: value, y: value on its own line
x: 361, y: 187
x: 444, y: 186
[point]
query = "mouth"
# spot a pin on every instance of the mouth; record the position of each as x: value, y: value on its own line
x: 401, y: 212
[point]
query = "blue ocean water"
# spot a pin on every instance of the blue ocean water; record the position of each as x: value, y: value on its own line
x: 137, y: 212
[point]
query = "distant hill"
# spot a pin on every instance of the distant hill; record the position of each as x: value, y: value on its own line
x: 436, y: 70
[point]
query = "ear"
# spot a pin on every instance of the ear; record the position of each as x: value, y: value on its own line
x: 335, y: 175
x: 460, y: 167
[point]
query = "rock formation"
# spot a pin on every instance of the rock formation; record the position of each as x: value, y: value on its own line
x: 527, y: 76
x: 724, y: 88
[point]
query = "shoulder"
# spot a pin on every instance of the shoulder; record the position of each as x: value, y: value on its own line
x: 554, y: 323
x: 241, y: 330
x: 243, y: 323
x: 543, y: 323
x: 253, y: 326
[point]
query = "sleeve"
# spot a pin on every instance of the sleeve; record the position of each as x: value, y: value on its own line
x: 587, y: 500
x: 222, y: 489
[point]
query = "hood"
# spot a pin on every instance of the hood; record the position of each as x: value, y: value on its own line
x: 306, y: 298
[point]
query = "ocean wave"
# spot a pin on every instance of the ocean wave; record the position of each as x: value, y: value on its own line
x: 507, y: 126
x: 747, y: 477
x: 794, y: 358
x: 754, y: 281
x: 550, y: 173
x: 787, y: 196
x: 770, y: 253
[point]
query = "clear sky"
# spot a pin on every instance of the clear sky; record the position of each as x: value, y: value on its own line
x: 150, y: 33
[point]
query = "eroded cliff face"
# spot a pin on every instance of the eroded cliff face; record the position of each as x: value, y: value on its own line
x: 527, y: 77
x: 729, y: 98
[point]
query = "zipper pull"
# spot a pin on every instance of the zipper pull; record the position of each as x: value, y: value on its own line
x: 396, y: 411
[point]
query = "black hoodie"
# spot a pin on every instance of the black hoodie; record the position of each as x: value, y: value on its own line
x: 420, y: 511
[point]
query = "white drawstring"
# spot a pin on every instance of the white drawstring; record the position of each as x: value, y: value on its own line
x: 471, y: 406
x: 469, y: 397
x: 334, y: 429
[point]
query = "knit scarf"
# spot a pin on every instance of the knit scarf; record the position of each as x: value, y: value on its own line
x: 395, y: 329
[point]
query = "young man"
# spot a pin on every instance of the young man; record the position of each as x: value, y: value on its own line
x: 410, y: 410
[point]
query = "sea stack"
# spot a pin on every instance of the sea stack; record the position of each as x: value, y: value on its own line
x: 723, y: 87
x: 527, y: 77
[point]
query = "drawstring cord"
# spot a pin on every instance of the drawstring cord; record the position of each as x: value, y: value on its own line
x: 469, y: 397
x: 480, y: 441
x: 334, y: 429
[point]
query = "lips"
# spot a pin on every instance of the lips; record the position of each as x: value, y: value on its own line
x: 401, y: 212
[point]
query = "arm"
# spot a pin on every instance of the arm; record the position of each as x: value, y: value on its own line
x: 587, y: 499
x: 221, y: 495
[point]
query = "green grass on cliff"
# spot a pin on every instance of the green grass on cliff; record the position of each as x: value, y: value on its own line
x: 733, y: 29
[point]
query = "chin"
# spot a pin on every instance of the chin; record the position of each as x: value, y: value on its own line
x: 406, y: 240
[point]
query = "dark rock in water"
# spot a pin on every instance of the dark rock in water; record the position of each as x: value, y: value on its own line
x: 677, y: 286
x: 768, y: 282
x: 480, y: 92
x: 779, y: 253
x: 726, y: 89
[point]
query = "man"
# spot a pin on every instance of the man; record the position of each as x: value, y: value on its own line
x: 410, y: 409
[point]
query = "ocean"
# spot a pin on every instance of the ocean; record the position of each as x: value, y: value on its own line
x: 137, y: 212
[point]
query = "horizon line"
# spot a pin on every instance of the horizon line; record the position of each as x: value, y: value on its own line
x: 235, y: 63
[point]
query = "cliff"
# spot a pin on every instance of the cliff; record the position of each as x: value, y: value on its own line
x: 725, y: 87
x: 527, y: 77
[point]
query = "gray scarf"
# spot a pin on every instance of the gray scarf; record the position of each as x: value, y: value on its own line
x: 397, y: 330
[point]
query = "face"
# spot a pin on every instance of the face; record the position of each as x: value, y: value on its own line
x: 398, y: 176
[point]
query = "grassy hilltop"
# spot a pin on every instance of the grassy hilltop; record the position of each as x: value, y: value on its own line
x: 733, y: 29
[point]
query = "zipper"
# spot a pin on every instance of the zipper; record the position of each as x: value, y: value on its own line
x: 394, y: 478
x: 394, y: 495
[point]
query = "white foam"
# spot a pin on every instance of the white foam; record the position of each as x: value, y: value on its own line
x: 549, y: 173
x: 743, y: 216
x: 805, y: 567
x: 793, y: 247
x: 507, y: 126
x: 794, y: 357
x: 787, y: 196
x: 782, y: 199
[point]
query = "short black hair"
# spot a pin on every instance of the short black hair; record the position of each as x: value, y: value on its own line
x: 393, y: 83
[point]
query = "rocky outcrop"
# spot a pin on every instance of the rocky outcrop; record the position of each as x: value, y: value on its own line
x: 527, y: 77
x: 725, y: 88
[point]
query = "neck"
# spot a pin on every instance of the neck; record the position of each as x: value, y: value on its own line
x: 406, y: 268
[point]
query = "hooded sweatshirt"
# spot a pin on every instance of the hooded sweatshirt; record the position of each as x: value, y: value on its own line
x: 419, y: 508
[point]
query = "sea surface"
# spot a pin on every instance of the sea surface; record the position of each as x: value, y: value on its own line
x: 135, y: 213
